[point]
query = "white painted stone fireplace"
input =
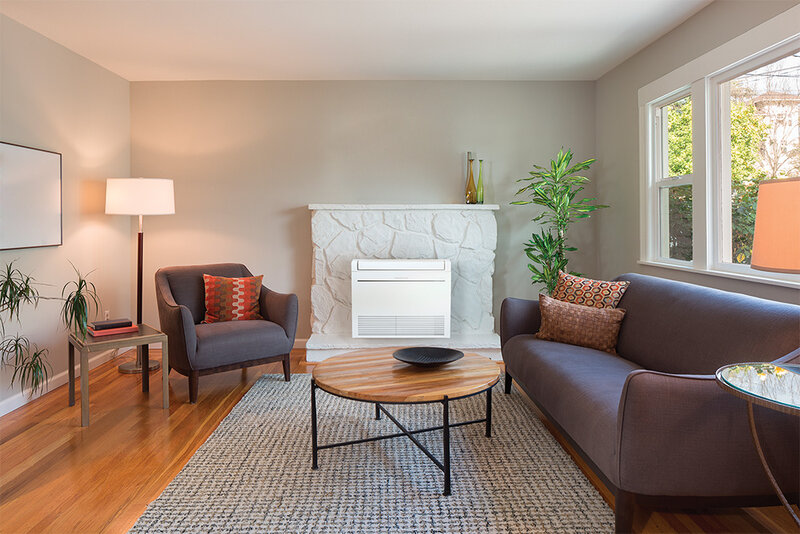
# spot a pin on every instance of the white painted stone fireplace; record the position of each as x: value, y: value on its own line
x: 464, y: 234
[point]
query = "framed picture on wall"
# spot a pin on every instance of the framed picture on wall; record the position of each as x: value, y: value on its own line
x: 30, y: 197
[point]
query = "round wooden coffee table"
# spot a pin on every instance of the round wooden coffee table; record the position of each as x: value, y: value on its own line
x: 375, y: 376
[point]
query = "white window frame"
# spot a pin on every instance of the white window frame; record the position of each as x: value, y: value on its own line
x: 658, y: 178
x: 719, y: 138
x: 700, y: 79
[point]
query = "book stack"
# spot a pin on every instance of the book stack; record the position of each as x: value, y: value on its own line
x: 111, y: 327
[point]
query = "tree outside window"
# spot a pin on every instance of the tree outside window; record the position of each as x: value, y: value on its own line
x: 763, y: 110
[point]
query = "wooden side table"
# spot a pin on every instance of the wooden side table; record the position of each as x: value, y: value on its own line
x: 141, y: 340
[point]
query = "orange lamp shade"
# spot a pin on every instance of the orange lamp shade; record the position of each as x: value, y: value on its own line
x: 776, y: 243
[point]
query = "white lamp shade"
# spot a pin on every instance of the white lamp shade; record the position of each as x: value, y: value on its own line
x: 140, y: 196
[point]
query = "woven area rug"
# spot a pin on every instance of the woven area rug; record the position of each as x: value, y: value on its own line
x: 253, y: 474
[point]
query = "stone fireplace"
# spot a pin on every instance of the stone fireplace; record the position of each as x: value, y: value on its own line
x: 464, y: 234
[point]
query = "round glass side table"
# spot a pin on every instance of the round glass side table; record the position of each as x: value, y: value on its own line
x: 776, y: 387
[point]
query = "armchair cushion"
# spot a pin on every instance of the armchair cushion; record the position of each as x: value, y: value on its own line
x: 232, y: 299
x: 232, y: 342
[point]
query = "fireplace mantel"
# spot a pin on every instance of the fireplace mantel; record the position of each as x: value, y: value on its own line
x: 403, y: 207
x: 466, y: 234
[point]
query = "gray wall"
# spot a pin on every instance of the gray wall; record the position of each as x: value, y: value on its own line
x: 54, y: 99
x: 247, y: 158
x: 617, y: 127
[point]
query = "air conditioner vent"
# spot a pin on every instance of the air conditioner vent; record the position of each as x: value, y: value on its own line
x: 402, y: 326
x: 400, y: 298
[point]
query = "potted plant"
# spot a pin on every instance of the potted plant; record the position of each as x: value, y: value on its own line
x: 555, y: 188
x: 31, y: 368
x: 77, y: 304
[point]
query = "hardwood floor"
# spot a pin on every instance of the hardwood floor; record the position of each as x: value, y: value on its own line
x: 58, y: 477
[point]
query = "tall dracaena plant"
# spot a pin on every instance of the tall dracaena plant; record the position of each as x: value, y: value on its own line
x: 555, y: 189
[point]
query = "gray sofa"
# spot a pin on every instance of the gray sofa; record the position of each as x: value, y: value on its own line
x: 199, y: 349
x: 651, y: 421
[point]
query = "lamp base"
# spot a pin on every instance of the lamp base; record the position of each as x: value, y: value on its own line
x: 135, y: 367
x: 130, y: 368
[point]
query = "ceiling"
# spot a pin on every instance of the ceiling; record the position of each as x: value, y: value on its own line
x: 354, y: 39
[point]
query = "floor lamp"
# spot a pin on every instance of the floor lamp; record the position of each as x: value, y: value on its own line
x: 139, y: 196
x: 776, y: 242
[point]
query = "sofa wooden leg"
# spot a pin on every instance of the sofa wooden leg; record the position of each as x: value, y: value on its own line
x: 624, y: 508
x: 194, y: 378
x: 286, y: 372
x: 509, y: 381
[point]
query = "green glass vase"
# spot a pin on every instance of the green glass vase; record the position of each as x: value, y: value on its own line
x: 479, y: 191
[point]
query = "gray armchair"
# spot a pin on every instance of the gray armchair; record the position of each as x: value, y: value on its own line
x: 199, y: 349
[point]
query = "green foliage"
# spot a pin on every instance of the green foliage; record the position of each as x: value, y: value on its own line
x: 679, y: 137
x: 77, y: 304
x: 29, y: 362
x: 16, y: 289
x: 31, y: 368
x: 680, y: 223
x: 748, y: 134
x: 555, y: 188
x: 542, y: 250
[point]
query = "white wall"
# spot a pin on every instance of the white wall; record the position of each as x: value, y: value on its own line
x: 617, y: 129
x: 247, y: 158
x: 54, y: 99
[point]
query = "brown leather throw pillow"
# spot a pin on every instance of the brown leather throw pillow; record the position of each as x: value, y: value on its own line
x: 586, y: 326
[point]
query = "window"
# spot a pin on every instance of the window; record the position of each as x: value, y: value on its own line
x: 672, y: 123
x: 711, y: 132
x: 758, y: 120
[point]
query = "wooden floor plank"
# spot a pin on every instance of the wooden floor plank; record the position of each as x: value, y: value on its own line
x: 56, y: 476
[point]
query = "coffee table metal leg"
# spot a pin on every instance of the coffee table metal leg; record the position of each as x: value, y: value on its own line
x: 377, y: 411
x: 446, y: 444
x: 489, y: 413
x: 313, y: 424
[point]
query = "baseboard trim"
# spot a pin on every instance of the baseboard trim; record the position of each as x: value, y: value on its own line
x: 23, y: 397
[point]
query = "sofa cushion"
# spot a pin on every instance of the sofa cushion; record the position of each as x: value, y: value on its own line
x: 588, y: 292
x: 586, y: 326
x: 232, y: 342
x: 579, y: 388
x: 674, y: 327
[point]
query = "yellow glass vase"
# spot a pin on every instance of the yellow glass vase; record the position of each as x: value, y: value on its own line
x: 471, y: 195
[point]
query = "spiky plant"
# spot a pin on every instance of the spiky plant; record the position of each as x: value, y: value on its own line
x: 30, y: 364
x: 78, y: 304
x: 555, y: 189
x: 31, y: 368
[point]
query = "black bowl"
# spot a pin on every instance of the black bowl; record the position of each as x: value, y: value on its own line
x: 428, y: 356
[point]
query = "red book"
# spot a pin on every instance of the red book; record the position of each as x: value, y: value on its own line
x: 112, y: 331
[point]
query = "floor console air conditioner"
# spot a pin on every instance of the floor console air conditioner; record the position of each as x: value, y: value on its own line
x: 401, y: 298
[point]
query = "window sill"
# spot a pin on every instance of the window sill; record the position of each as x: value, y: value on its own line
x: 726, y: 274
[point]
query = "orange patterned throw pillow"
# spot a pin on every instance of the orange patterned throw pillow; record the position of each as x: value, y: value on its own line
x: 595, y: 328
x: 588, y: 292
x: 232, y: 299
